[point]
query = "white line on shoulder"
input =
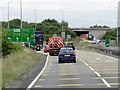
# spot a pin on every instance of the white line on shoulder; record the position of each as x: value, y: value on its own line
x: 34, y: 81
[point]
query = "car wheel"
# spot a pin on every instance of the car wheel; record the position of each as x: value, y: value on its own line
x: 74, y: 61
x: 51, y: 54
x: 59, y: 61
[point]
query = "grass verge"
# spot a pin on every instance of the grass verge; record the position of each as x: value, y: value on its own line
x: 17, y: 64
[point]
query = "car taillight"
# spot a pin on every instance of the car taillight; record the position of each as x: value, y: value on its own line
x: 73, y: 54
x: 59, y: 54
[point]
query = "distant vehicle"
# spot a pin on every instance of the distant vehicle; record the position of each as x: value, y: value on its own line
x: 71, y: 45
x: 66, y: 54
x: 55, y: 44
x: 38, y: 47
x: 96, y: 41
x: 46, y: 48
x: 38, y: 42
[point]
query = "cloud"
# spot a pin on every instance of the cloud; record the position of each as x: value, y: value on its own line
x: 77, y: 12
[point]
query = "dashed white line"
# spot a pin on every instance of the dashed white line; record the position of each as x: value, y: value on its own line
x: 86, y: 64
x: 98, y: 58
x: 77, y: 57
x: 97, y: 74
x: 91, y: 68
x: 106, y: 83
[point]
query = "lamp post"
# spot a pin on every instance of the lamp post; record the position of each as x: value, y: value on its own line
x: 118, y: 21
x: 8, y: 13
x: 35, y: 18
x: 20, y: 13
x: 62, y: 19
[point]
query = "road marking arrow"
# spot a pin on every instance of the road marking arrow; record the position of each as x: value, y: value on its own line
x: 28, y: 39
x: 17, y: 39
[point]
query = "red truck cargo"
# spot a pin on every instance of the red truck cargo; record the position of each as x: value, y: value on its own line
x: 55, y: 44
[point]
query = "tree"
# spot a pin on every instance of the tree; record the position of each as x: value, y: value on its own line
x: 110, y: 35
x: 99, y: 26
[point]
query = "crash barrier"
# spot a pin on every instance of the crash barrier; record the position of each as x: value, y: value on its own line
x: 106, y: 50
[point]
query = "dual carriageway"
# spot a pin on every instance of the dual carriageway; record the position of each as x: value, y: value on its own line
x: 92, y: 70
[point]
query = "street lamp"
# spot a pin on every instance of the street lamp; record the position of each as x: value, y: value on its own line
x: 20, y: 12
x: 118, y: 22
x: 8, y: 13
x: 35, y: 18
x: 62, y: 19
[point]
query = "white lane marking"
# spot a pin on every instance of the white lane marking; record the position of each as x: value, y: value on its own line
x: 91, y: 68
x: 77, y: 57
x: 97, y: 74
x: 34, y: 81
x: 86, y: 64
x: 106, y: 83
x: 106, y: 56
x: 98, y: 58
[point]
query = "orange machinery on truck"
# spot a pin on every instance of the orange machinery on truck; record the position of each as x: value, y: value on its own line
x: 55, y: 43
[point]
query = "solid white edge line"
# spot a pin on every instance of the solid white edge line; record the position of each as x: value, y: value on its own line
x: 106, y: 83
x: 34, y: 81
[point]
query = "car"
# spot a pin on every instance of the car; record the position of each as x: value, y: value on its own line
x: 66, y: 55
x: 70, y: 44
x: 96, y: 41
x: 46, y: 48
x: 37, y: 47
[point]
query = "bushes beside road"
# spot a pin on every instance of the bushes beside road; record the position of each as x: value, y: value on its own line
x: 17, y: 64
x: 8, y: 47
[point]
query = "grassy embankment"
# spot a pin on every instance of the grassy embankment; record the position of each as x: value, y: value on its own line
x: 17, y: 64
x: 80, y: 43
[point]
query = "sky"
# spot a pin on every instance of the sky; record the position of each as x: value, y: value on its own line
x: 78, y: 13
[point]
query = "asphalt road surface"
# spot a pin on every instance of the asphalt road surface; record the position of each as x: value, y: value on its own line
x: 92, y: 70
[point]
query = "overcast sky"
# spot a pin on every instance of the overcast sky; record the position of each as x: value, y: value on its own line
x: 78, y: 13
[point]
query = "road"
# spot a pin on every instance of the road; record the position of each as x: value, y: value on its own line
x: 92, y: 70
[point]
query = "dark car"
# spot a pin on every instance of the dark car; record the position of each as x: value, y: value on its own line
x: 71, y: 45
x: 37, y: 47
x: 66, y: 55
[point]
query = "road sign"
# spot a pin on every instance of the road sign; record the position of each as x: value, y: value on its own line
x: 16, y: 30
x: 20, y: 35
x: 107, y: 43
x: 63, y: 35
x: 68, y: 37
x: 9, y: 39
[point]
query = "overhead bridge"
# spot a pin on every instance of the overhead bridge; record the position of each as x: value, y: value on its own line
x: 96, y: 32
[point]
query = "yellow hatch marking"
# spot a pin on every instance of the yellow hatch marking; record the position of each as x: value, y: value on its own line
x: 69, y: 79
x: 106, y: 77
x: 114, y: 83
x: 69, y: 74
x: 109, y: 72
x: 63, y: 85
x: 44, y: 75
x: 41, y: 79
x: 37, y: 86
x: 109, y: 83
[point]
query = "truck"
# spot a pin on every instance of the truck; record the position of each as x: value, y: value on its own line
x: 55, y: 44
x: 38, y: 42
